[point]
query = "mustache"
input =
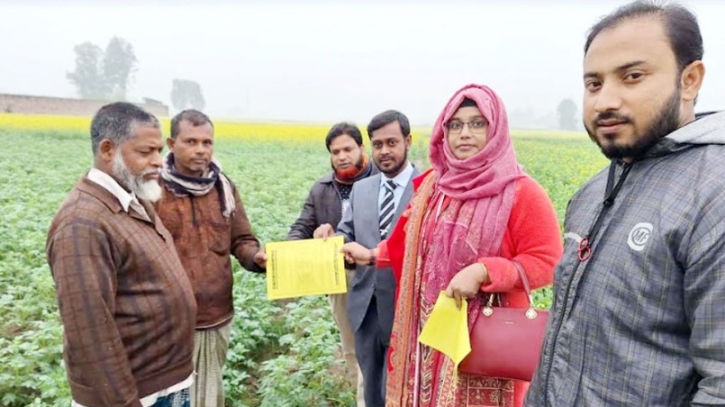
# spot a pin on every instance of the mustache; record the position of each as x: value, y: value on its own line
x: 150, y: 171
x: 611, y: 116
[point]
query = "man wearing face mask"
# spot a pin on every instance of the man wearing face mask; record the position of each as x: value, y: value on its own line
x: 126, y: 305
x: 328, y: 199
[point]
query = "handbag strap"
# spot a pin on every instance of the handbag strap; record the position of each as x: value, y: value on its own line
x: 524, y: 281
x: 531, y: 313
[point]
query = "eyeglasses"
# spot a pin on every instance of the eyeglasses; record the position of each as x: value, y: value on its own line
x: 474, y: 126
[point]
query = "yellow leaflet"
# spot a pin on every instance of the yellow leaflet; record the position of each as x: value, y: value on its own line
x: 447, y: 329
x: 305, y: 267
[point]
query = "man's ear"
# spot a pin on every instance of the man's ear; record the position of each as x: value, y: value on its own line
x: 691, y: 80
x: 106, y: 150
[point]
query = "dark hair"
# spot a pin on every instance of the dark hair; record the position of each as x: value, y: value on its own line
x: 387, y: 117
x: 117, y: 122
x: 683, y: 30
x: 195, y: 117
x: 341, y: 128
x: 468, y: 103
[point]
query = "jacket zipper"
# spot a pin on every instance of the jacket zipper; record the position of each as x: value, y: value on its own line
x: 610, y: 195
x: 552, y: 345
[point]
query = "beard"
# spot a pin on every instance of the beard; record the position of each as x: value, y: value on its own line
x: 397, y: 167
x: 667, y: 121
x: 349, y: 173
x: 147, y: 190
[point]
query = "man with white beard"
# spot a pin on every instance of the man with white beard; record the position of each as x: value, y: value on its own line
x: 126, y: 304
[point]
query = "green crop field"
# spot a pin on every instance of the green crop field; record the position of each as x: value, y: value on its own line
x: 282, y: 353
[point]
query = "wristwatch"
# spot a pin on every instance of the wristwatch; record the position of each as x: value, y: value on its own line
x: 372, y: 258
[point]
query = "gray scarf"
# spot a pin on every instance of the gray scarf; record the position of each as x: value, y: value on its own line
x: 182, y: 185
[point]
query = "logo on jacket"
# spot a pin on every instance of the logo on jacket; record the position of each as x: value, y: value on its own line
x: 639, y: 235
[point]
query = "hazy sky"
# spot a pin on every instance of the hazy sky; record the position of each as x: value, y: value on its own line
x: 329, y: 61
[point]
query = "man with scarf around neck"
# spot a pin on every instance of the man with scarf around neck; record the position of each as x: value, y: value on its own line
x: 473, y: 216
x: 376, y: 203
x: 202, y: 209
x: 325, y: 204
x: 638, y: 316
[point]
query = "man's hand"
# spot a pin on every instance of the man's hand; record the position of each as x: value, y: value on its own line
x: 323, y: 231
x: 260, y: 258
x: 357, y: 253
x: 467, y: 282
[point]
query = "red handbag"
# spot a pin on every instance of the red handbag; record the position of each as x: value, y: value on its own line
x: 506, y: 342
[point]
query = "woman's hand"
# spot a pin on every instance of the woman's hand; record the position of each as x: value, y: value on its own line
x: 357, y: 253
x: 467, y: 282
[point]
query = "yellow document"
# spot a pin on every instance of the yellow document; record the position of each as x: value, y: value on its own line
x: 305, y: 267
x: 447, y: 329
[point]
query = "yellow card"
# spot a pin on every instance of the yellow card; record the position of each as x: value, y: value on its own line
x: 299, y: 268
x: 447, y: 329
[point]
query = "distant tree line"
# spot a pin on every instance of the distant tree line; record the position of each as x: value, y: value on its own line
x: 106, y: 74
x: 103, y: 74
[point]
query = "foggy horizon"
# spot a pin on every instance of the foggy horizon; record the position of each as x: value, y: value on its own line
x: 329, y: 62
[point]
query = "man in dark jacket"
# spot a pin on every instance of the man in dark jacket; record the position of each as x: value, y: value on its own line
x: 638, y: 317
x: 328, y: 199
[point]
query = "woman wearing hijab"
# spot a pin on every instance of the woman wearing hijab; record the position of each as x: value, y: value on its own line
x: 474, y: 213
